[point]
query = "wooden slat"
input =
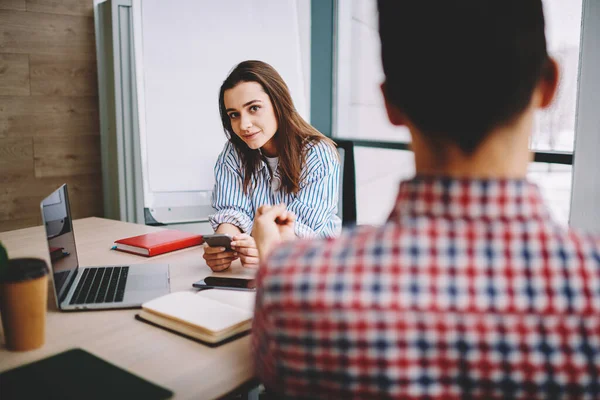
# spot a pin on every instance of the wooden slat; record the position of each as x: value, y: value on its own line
x: 56, y: 156
x: 16, y: 159
x: 18, y: 5
x: 14, y: 74
x: 21, y: 200
x: 40, y: 115
x: 85, y: 194
x: 19, y: 224
x: 41, y: 33
x: 66, y: 7
x: 63, y: 76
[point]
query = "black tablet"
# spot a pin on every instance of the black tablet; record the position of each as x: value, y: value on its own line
x: 76, y: 374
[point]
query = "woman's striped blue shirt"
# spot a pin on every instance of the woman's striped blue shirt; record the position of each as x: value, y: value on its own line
x: 315, y: 204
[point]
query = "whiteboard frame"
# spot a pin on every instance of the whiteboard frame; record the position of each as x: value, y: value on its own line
x: 190, y: 206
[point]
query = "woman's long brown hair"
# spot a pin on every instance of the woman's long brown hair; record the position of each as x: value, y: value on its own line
x: 293, y: 132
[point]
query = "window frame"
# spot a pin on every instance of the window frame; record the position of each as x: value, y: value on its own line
x: 584, y: 196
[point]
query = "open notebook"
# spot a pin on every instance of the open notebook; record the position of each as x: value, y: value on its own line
x: 211, y: 316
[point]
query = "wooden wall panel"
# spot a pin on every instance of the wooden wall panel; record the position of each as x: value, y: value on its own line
x: 18, y: 5
x: 14, y: 74
x: 57, y: 156
x: 65, y: 7
x: 21, y: 201
x: 63, y: 77
x: 85, y: 195
x: 42, y: 33
x: 49, y: 123
x: 41, y: 115
x: 9, y: 225
x: 16, y: 159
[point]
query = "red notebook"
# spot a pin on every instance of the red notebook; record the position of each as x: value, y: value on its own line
x: 152, y: 244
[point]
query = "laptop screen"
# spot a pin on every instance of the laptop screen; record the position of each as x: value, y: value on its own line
x: 56, y: 217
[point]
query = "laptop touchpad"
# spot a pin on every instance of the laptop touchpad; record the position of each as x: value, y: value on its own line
x: 147, y: 282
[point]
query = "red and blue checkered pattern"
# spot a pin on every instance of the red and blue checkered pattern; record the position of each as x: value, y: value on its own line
x: 470, y: 291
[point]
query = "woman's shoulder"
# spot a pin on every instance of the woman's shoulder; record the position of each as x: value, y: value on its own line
x: 322, y: 151
x: 229, y: 156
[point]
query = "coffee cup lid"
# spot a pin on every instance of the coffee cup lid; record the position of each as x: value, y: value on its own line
x: 23, y: 269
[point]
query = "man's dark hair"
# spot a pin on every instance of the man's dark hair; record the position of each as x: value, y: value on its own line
x: 459, y: 68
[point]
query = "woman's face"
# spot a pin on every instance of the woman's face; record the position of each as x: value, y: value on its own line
x: 252, y: 116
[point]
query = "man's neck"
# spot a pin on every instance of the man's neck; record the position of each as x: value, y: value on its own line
x: 503, y: 154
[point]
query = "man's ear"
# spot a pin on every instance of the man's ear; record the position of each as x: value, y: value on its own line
x: 549, y: 83
x: 395, y: 116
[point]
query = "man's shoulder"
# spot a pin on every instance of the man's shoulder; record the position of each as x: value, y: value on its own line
x: 366, y: 244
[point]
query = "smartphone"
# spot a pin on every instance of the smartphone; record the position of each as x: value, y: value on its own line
x: 218, y: 240
x: 220, y: 282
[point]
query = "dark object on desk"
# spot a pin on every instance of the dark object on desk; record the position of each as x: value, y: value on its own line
x: 219, y: 240
x: 223, y: 282
x: 76, y: 374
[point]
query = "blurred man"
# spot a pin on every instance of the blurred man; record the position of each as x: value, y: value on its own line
x: 470, y: 290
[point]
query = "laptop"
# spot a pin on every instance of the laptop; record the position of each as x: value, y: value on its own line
x: 99, y: 287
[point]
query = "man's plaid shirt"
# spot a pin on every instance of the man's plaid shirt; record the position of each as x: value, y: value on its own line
x: 470, y: 291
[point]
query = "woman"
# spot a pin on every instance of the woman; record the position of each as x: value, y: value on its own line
x: 272, y: 156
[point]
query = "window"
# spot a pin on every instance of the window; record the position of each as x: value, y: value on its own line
x: 376, y: 188
x: 555, y: 126
x: 360, y: 113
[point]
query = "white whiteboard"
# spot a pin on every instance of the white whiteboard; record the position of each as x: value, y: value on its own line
x: 184, y: 49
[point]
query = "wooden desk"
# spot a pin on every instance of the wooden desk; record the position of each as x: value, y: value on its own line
x: 189, y: 369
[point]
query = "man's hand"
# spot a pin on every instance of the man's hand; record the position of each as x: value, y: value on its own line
x: 273, y: 224
x: 217, y: 258
x: 245, y: 247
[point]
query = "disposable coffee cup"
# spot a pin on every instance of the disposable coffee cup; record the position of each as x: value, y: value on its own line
x: 23, y: 301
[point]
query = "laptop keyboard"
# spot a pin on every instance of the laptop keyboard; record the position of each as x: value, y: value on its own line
x: 101, y: 285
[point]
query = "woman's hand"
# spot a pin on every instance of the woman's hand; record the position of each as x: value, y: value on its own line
x: 245, y: 247
x: 218, y: 259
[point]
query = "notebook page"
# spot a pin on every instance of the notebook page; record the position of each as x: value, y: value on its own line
x: 205, y: 313
x: 235, y: 298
